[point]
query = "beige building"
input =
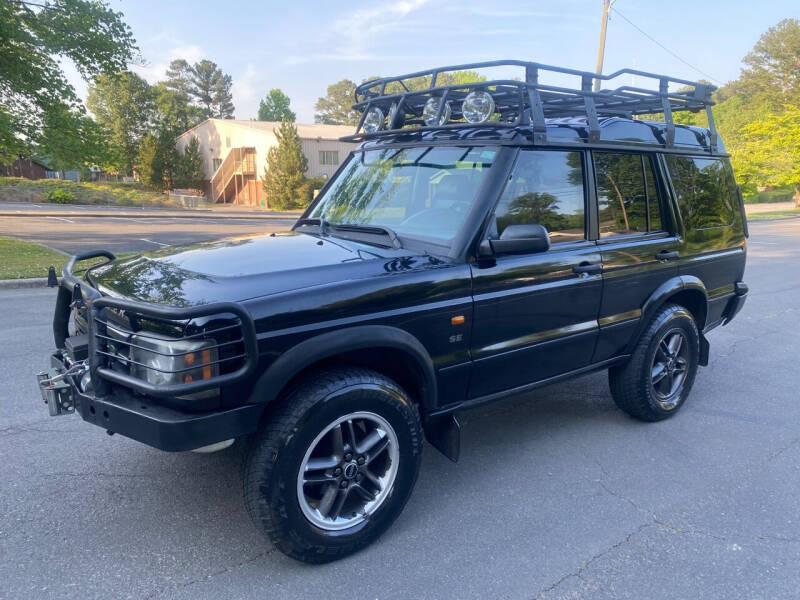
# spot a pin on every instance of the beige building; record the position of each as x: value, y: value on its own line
x: 235, y: 155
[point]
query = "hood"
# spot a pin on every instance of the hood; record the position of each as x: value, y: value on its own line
x: 240, y: 268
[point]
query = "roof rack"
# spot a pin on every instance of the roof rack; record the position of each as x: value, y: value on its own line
x: 527, y: 101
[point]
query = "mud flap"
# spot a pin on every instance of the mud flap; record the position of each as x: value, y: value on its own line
x: 705, y: 349
x: 444, y: 434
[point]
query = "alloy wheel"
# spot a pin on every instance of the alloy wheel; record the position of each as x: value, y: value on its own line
x: 669, y: 368
x: 348, y: 471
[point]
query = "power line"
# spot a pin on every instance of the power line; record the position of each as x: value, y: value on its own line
x: 663, y: 47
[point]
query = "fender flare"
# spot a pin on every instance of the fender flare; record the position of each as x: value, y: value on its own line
x: 661, y: 294
x: 314, y: 349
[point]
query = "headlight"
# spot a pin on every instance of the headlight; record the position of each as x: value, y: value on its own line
x: 430, y: 110
x: 163, y: 360
x: 477, y: 107
x: 374, y: 120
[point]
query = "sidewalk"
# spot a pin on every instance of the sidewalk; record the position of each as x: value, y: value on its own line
x: 752, y: 209
x: 17, y: 209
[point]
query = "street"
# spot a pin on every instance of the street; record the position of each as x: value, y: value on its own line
x: 121, y: 230
x: 558, y: 494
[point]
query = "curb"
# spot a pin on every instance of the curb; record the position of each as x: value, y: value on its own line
x: 205, y: 215
x: 12, y: 284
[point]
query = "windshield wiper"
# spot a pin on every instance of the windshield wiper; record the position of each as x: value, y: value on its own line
x: 367, y: 231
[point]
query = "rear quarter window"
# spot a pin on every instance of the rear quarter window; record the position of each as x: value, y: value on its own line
x: 705, y: 191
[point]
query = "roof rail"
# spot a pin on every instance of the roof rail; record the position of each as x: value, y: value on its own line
x: 526, y: 101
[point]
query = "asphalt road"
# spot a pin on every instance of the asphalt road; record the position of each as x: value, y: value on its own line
x: 116, y: 230
x: 557, y: 494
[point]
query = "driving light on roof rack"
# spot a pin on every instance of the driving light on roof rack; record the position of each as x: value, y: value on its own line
x: 374, y: 120
x: 477, y: 107
x: 430, y: 110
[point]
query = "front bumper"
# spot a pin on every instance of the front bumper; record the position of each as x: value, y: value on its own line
x: 135, y: 417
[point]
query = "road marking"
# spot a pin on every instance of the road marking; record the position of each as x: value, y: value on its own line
x: 127, y: 219
x: 764, y: 243
x: 60, y: 219
x: 152, y: 242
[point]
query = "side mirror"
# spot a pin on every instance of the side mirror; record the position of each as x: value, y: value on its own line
x: 518, y: 239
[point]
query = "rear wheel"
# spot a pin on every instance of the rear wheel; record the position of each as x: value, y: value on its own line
x: 657, y: 379
x: 334, y: 464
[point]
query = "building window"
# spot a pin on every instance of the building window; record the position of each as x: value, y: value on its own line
x: 216, y: 162
x: 328, y: 157
x: 228, y: 142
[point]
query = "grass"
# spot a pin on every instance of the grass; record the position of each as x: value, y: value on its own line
x: 779, y: 194
x: 17, y: 189
x: 775, y: 214
x: 21, y: 260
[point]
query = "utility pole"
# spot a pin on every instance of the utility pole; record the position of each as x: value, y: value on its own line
x: 601, y: 48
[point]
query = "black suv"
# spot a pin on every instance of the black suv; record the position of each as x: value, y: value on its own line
x: 485, y: 239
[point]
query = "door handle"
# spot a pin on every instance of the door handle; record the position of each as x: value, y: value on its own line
x: 586, y: 268
x: 667, y: 255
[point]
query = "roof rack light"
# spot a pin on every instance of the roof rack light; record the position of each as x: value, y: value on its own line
x: 524, y: 101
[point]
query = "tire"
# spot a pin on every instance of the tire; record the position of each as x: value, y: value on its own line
x: 282, y: 473
x: 655, y: 382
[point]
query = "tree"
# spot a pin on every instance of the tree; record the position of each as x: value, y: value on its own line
x: 275, y: 107
x: 33, y: 87
x: 179, y: 75
x: 773, y: 66
x: 770, y: 150
x: 204, y: 83
x: 335, y: 108
x: 211, y: 88
x: 123, y: 104
x: 173, y: 110
x: 191, y: 172
x: 158, y: 161
x: 284, y: 174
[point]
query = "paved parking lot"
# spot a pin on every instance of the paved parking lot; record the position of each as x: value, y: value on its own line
x: 557, y: 494
x: 121, y: 230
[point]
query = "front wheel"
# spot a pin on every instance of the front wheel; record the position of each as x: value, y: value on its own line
x: 334, y: 465
x: 656, y: 381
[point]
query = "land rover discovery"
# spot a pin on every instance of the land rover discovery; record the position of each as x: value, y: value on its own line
x: 484, y: 239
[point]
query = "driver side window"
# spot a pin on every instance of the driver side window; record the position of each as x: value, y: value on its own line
x: 545, y: 188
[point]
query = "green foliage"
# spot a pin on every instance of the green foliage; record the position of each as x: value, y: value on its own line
x: 284, y: 173
x: 275, y: 107
x: 124, y: 105
x: 335, y: 108
x: 18, y: 189
x: 770, y: 150
x: 309, y: 187
x: 33, y: 88
x: 158, y: 161
x: 191, y: 172
x: 60, y: 196
x: 205, y: 85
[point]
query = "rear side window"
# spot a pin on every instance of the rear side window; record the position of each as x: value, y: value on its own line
x: 627, y: 196
x: 704, y: 191
x: 545, y: 188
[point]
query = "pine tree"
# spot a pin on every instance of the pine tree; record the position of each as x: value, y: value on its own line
x: 284, y: 174
x: 192, y: 173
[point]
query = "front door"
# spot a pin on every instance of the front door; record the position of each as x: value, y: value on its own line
x: 535, y: 315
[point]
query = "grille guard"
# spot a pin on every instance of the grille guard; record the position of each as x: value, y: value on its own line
x: 74, y: 291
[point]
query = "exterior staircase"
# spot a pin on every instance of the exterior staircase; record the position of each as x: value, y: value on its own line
x: 231, y: 182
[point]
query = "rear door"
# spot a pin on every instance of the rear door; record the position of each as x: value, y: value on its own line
x: 535, y: 315
x: 638, y: 241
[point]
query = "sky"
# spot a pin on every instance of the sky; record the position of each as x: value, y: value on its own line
x: 303, y: 46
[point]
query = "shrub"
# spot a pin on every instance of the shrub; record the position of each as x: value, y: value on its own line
x: 60, y: 196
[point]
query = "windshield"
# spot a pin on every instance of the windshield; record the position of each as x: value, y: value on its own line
x: 422, y: 193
